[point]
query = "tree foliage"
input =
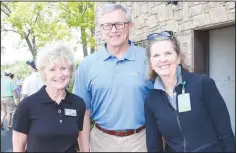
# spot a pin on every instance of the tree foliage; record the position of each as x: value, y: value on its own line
x: 18, y: 69
x: 36, y: 23
x: 40, y: 22
x: 80, y: 14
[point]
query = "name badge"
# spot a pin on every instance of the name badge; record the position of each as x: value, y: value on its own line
x: 70, y: 112
x: 184, y: 104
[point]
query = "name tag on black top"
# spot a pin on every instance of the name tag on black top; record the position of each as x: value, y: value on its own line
x: 70, y: 112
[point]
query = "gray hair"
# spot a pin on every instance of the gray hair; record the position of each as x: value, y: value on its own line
x: 111, y: 7
x: 53, y: 52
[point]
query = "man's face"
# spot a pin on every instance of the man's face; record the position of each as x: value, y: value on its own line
x: 115, y: 36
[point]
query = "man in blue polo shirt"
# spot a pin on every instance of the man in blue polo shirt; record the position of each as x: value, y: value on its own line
x: 113, y: 84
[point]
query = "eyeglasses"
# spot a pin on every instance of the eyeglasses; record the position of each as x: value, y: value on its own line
x: 163, y: 34
x: 109, y: 26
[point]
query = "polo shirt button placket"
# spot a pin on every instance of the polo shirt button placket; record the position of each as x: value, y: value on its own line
x: 59, y: 107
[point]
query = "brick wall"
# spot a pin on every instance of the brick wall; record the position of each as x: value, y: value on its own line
x: 151, y: 17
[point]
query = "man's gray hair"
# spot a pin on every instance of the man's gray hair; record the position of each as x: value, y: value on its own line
x: 53, y: 52
x: 111, y: 7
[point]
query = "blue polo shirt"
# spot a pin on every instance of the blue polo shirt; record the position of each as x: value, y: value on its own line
x: 114, y: 90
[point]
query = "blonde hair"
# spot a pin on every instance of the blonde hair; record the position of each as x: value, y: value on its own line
x: 53, y: 52
x: 151, y: 73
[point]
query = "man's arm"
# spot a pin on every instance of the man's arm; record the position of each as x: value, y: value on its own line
x: 15, y: 94
x: 84, y: 135
x: 17, y: 99
x: 24, y: 89
x: 14, y: 90
x: 23, y: 96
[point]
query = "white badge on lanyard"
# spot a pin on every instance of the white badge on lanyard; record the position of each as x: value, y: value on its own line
x: 184, y: 103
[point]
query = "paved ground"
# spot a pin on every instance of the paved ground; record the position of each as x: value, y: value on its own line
x: 6, y: 139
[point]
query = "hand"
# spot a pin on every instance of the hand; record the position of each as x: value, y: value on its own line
x: 17, y: 101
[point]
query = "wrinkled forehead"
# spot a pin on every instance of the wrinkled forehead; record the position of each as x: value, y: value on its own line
x: 113, y: 17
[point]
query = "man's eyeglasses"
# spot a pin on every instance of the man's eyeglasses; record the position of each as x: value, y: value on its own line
x: 109, y: 26
x: 163, y: 34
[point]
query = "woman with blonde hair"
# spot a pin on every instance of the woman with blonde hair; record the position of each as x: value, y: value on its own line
x: 185, y: 108
x: 50, y: 119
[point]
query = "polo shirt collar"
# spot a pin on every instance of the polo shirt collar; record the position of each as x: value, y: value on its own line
x: 129, y: 55
x: 44, y: 97
x: 159, y: 83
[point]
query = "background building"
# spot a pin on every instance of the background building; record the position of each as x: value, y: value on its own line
x: 205, y: 30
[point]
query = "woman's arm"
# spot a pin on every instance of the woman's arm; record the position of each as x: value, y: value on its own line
x: 19, y: 141
x: 21, y: 126
x: 153, y: 135
x: 219, y: 114
x: 84, y: 135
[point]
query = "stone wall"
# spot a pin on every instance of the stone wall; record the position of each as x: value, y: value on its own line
x: 182, y: 19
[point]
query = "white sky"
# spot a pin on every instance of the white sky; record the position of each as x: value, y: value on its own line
x: 12, y: 53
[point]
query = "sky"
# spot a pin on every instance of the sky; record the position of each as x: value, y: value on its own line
x: 12, y: 53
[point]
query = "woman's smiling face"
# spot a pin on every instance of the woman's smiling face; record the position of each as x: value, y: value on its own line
x: 58, y: 75
x: 164, y: 59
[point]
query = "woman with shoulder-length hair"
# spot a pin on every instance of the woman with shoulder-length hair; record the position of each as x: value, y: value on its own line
x: 50, y: 119
x: 185, y: 108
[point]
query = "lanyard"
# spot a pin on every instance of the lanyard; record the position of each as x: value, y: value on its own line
x: 183, y: 88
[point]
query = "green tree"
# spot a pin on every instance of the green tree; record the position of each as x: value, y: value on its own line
x: 18, y: 68
x: 36, y: 23
x: 80, y: 15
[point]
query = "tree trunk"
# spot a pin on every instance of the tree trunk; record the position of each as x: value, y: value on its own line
x: 85, y: 51
x: 92, y: 50
x: 93, y: 35
x: 33, y: 52
x: 84, y: 42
